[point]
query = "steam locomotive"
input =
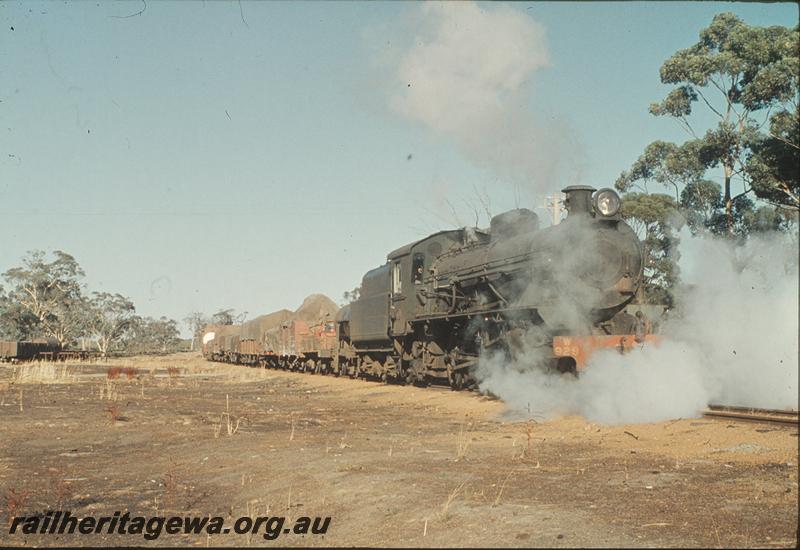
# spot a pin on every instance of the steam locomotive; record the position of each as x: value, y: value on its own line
x: 441, y: 303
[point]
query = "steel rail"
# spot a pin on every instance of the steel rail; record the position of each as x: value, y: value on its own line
x: 752, y: 414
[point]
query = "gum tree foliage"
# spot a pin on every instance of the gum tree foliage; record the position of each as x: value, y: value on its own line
x: 702, y: 205
x: 746, y: 77
x: 227, y: 317
x: 6, y: 327
x: 110, y: 317
x: 655, y: 219
x: 44, y: 297
x: 350, y: 296
x: 774, y: 167
x: 16, y: 323
x: 164, y: 333
x: 153, y: 335
x: 50, y: 293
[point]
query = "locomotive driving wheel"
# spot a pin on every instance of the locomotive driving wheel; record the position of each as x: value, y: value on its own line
x: 457, y: 380
x: 414, y: 374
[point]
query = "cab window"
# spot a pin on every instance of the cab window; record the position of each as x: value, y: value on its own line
x: 418, y: 267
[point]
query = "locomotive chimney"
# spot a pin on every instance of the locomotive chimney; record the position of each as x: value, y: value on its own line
x: 579, y: 199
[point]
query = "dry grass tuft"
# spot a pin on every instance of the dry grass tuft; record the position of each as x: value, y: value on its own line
x: 108, y: 390
x: 527, y: 452
x: 43, y: 373
x: 130, y: 372
x: 445, y: 513
x: 502, y: 488
x: 231, y: 422
x: 292, y: 423
x: 113, y: 373
x: 464, y: 437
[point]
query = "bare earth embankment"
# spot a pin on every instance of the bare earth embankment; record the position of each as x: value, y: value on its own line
x: 391, y: 465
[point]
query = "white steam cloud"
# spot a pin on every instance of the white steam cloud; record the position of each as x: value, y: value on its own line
x: 734, y: 342
x: 468, y: 77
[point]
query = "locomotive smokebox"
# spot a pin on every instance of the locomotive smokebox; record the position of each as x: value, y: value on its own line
x: 579, y: 199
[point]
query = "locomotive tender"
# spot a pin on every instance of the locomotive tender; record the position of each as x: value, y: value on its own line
x: 438, y: 304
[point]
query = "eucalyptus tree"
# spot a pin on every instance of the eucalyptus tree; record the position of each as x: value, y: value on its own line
x: 774, y: 167
x: 196, y: 321
x: 746, y: 78
x: 50, y: 292
x: 655, y: 219
x: 223, y: 317
x: 110, y: 317
x: 16, y: 323
x: 350, y: 296
x: 148, y: 334
x: 163, y: 333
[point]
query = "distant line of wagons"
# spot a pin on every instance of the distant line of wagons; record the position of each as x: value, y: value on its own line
x: 17, y: 351
x: 295, y: 345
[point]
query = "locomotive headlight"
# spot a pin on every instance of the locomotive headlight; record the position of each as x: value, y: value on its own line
x: 606, y: 201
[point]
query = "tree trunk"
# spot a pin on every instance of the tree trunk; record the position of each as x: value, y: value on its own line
x: 728, y: 200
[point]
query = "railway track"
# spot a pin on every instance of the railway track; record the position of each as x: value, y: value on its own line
x: 752, y: 414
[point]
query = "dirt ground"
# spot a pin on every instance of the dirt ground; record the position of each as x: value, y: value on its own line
x: 390, y: 465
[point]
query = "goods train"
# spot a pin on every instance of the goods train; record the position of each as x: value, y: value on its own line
x: 14, y: 351
x: 19, y: 351
x: 438, y: 304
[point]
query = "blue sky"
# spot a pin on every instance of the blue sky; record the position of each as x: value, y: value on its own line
x: 201, y: 156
